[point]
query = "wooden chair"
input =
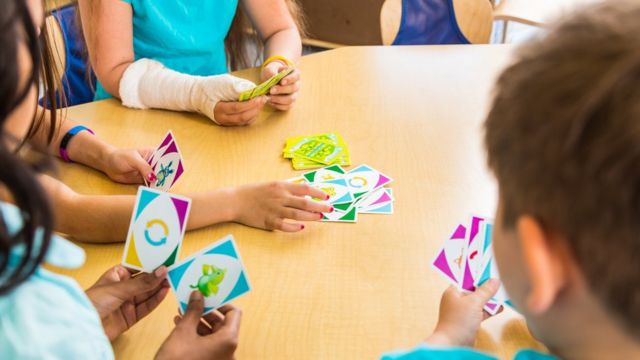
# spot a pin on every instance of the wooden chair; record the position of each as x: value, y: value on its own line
x: 533, y: 12
x: 474, y: 18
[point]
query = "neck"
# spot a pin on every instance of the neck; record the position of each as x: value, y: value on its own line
x: 580, y: 328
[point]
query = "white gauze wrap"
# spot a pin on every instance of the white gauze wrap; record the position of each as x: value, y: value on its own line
x: 148, y: 84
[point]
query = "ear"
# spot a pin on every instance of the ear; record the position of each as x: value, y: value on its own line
x: 543, y: 263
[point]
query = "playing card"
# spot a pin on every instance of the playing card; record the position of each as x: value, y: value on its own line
x: 489, y: 267
x: 156, y: 230
x: 168, y: 167
x: 472, y: 254
x: 216, y: 271
x: 349, y: 215
x: 337, y: 189
x: 365, y: 179
x: 168, y: 138
x: 319, y: 151
x: 376, y: 198
x: 263, y: 88
x: 386, y: 209
x: 450, y: 258
x: 332, y: 172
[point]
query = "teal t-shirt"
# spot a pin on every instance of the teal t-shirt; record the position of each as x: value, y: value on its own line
x: 184, y: 35
x: 424, y: 352
x: 48, y: 316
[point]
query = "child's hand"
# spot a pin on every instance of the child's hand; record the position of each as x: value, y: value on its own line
x: 267, y: 205
x: 122, y: 300
x: 461, y: 315
x: 236, y: 113
x: 129, y: 166
x: 213, y: 336
x: 283, y: 95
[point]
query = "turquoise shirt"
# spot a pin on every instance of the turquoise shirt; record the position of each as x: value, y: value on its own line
x: 184, y: 35
x: 424, y: 351
x: 48, y: 316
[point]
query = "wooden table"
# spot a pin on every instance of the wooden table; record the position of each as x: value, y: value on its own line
x: 334, y: 291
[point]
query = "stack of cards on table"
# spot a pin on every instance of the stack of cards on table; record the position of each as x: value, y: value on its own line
x: 263, y: 89
x: 466, y: 260
x: 154, y: 239
x: 357, y: 191
x: 314, y: 151
x: 166, y: 162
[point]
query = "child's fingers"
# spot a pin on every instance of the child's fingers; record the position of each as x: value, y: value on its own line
x: 307, y: 190
x: 308, y: 205
x: 291, y: 78
x: 285, y: 89
x: 287, y: 99
x: 145, y: 307
x: 237, y: 107
x: 486, y: 291
x: 192, y: 316
x: 301, y: 215
x: 288, y: 227
x: 143, y: 167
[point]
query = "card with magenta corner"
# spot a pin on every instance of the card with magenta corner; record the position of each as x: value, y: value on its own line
x: 156, y: 230
x: 473, y: 248
x: 217, y: 272
x: 168, y: 167
x: 449, y: 260
x: 364, y: 179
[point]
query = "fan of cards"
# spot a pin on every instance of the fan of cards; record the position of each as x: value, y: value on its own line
x: 314, y: 151
x: 263, y: 89
x: 466, y: 260
x: 154, y: 239
x: 357, y: 191
x: 166, y: 162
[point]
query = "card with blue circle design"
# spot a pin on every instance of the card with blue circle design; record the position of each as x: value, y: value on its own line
x: 364, y: 179
x: 216, y: 271
x: 156, y: 230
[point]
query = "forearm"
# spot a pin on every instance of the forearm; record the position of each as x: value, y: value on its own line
x: 285, y: 43
x: 105, y: 218
x: 84, y: 148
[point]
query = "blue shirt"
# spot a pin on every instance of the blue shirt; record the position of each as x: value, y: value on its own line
x: 424, y: 351
x: 48, y: 316
x: 184, y: 35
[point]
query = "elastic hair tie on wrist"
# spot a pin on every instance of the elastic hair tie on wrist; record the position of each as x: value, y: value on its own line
x: 276, y: 58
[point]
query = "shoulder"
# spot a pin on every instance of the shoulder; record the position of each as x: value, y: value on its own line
x: 49, y: 316
x: 424, y: 351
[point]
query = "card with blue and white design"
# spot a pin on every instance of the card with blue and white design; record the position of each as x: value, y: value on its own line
x: 364, y: 179
x: 156, y: 230
x: 166, y: 163
x: 216, y: 271
x: 378, y: 202
x: 337, y: 189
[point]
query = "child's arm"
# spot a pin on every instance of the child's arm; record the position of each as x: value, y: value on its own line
x: 145, y: 83
x: 280, y: 34
x: 461, y: 314
x: 121, y: 165
x: 105, y: 218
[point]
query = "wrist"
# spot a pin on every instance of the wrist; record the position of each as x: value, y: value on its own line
x: 439, y: 338
x: 232, y: 197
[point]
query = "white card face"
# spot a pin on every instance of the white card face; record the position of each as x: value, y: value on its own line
x: 364, y: 179
x: 349, y: 215
x: 217, y: 272
x: 473, y: 255
x: 375, y: 199
x: 328, y: 173
x: 168, y: 168
x: 450, y: 258
x: 156, y: 230
x: 337, y: 189
x: 168, y: 138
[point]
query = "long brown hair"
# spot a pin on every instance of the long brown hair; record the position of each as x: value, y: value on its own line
x: 242, y: 33
x: 16, y: 176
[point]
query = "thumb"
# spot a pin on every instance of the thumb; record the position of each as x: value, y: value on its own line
x: 140, y: 284
x: 486, y: 291
x: 142, y: 166
x: 192, y: 316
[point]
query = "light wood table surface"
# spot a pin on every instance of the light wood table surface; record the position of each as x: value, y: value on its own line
x: 333, y: 291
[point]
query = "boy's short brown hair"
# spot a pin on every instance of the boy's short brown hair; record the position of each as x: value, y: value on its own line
x: 563, y: 139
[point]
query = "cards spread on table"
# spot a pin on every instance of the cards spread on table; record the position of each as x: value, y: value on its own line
x: 357, y: 191
x: 166, y: 163
x: 466, y: 260
x: 216, y: 271
x: 315, y: 151
x: 156, y: 230
x: 263, y: 89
